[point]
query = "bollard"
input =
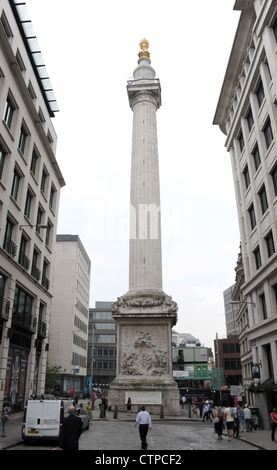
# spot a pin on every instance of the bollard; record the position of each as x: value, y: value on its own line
x: 162, y: 412
x: 115, y: 414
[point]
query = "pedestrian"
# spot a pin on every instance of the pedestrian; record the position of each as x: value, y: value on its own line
x: 143, y: 419
x: 247, y: 416
x: 206, y: 415
x: 201, y: 404
x: 218, y: 422
x: 230, y: 422
x: 89, y: 410
x: 71, y: 431
x: 103, y: 406
x: 6, y: 411
x: 238, y: 420
x: 273, y: 422
x: 183, y: 401
x: 210, y: 411
x: 194, y: 411
x: 129, y: 406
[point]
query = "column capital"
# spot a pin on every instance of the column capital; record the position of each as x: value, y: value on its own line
x: 144, y: 92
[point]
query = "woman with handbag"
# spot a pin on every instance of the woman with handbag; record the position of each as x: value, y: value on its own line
x: 218, y: 423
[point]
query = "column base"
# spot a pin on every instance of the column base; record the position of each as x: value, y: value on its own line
x: 158, y: 398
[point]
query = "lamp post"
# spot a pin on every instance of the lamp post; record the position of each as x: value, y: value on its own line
x: 91, y: 368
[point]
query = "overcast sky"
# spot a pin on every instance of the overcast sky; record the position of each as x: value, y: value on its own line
x: 90, y: 50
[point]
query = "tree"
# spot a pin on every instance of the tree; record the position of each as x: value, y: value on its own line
x: 53, y: 374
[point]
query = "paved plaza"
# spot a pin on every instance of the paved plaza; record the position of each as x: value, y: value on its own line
x: 174, y: 434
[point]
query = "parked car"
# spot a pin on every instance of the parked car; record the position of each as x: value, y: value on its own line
x: 84, y: 417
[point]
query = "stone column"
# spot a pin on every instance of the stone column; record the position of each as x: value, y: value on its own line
x: 145, y: 314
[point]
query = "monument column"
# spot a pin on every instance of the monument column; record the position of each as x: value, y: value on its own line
x: 145, y: 314
x: 145, y: 262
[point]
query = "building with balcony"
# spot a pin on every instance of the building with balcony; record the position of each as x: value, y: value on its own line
x: 30, y: 184
x: 68, y: 338
x: 247, y: 114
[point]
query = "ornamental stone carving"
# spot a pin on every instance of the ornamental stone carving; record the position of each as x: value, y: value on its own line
x: 144, y: 357
x: 161, y: 303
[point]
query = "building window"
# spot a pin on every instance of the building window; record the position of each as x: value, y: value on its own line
x: 35, y: 271
x: 263, y: 200
x: 105, y: 339
x: 48, y: 234
x: 256, y: 157
x: 39, y: 219
x: 2, y: 160
x: 34, y: 162
x: 52, y: 199
x: 257, y: 256
x: 274, y: 179
x: 263, y: 306
x: 267, y: 130
x: 270, y: 244
x: 241, y: 141
x: 260, y: 93
x: 22, y: 259
x: 15, y: 184
x: 275, y: 294
x: 252, y: 216
x: 45, y: 281
x: 28, y: 204
x: 22, y: 301
x: 6, y: 25
x: 246, y: 177
x: 22, y: 140
x: 8, y: 112
x: 43, y: 180
x: 20, y: 62
x: 250, y: 120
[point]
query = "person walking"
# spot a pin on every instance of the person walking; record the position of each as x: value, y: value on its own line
x: 194, y: 411
x: 143, y: 419
x: 206, y: 415
x: 129, y: 406
x: 230, y: 423
x: 238, y: 420
x: 89, y: 410
x: 273, y: 423
x: 6, y: 411
x: 71, y: 431
x: 247, y: 416
x: 218, y: 422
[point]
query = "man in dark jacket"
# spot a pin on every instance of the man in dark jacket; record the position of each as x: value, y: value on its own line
x: 71, y: 431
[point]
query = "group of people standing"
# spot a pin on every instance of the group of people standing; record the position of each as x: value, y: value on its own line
x: 233, y: 418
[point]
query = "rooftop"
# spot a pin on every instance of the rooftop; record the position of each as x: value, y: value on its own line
x: 25, y: 26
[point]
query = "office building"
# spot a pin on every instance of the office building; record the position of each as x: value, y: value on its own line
x: 102, y: 338
x: 30, y: 184
x: 247, y: 114
x: 69, y: 319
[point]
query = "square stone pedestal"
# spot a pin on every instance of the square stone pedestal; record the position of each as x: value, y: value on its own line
x: 144, y: 354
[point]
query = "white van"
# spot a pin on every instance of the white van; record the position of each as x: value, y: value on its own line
x: 43, y: 418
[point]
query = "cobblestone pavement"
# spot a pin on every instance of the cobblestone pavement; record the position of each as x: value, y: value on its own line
x: 171, y: 435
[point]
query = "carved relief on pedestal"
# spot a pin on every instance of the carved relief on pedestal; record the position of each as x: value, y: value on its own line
x: 143, y: 356
x: 162, y: 303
